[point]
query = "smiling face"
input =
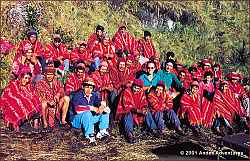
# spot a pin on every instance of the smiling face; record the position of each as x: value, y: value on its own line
x: 25, y: 79
x: 159, y: 90
x: 106, y: 41
x: 150, y: 68
x: 136, y: 88
x: 87, y: 89
x: 32, y: 39
x: 182, y: 76
x: 122, y: 66
x: 103, y: 70
x: 29, y: 54
x: 224, y: 87
x: 50, y: 76
x: 169, y: 67
x: 194, y: 90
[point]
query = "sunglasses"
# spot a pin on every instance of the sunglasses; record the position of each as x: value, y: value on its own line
x: 26, y: 77
x: 151, y: 67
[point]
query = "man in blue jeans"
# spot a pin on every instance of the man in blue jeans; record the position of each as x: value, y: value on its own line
x: 89, y: 110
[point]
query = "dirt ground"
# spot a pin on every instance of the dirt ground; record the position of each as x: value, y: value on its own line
x: 68, y: 144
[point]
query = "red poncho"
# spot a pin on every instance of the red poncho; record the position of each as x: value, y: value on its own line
x: 18, y: 65
x: 73, y: 83
x: 76, y: 55
x: 160, y: 103
x: 102, y: 81
x: 124, y: 42
x: 52, y: 53
x: 37, y: 48
x: 19, y: 103
x: 146, y: 48
x: 92, y: 41
x: 226, y: 104
x: 238, y: 89
x: 192, y: 106
x: 101, y: 50
x: 47, y: 92
x: 207, y: 109
x: 5, y: 46
x: 129, y: 100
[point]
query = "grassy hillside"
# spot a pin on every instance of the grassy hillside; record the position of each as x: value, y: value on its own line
x: 218, y: 29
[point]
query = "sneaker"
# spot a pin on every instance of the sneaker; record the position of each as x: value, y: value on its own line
x: 91, y: 140
x: 130, y: 138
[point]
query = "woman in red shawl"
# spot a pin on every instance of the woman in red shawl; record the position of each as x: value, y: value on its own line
x: 226, y: 105
x: 207, y: 92
x: 161, y: 104
x: 124, y: 42
x: 191, y: 105
x: 81, y: 53
x: 132, y: 108
x: 19, y: 101
x: 146, y: 47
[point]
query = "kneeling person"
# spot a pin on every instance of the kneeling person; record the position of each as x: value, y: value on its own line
x: 89, y: 110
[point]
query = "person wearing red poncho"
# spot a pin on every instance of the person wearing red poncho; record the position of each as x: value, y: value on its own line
x: 81, y: 53
x: 29, y: 60
x: 132, y: 108
x: 124, y: 41
x: 103, y: 48
x: 207, y: 92
x: 51, y: 94
x: 191, y: 105
x: 33, y: 42
x: 226, y: 105
x: 74, y: 80
x: 19, y: 102
x: 57, y: 52
x: 184, y: 79
x: 146, y: 47
x: 160, y: 105
x: 119, y: 76
x: 236, y: 87
x: 103, y: 82
x: 95, y: 38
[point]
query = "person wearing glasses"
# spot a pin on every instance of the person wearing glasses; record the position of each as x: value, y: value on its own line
x: 151, y: 77
x: 20, y: 103
x: 90, y: 109
x: 132, y: 109
x: 54, y: 101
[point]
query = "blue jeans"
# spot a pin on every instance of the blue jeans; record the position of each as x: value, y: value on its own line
x: 66, y: 64
x: 171, y: 117
x: 86, y: 121
x: 155, y: 121
x: 218, y: 122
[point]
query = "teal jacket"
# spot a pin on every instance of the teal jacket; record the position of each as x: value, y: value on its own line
x: 147, y: 82
x: 169, y: 78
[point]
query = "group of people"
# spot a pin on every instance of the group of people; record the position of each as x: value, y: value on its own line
x: 119, y: 80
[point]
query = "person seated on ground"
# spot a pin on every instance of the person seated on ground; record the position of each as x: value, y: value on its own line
x: 29, y: 60
x: 151, y: 78
x: 146, y: 47
x: 124, y: 41
x: 169, y: 77
x: 74, y: 80
x: 19, y: 102
x: 81, y: 53
x: 95, y: 38
x: 103, y: 84
x: 51, y: 94
x: 182, y: 76
x: 57, y: 52
x: 35, y: 44
x: 89, y: 110
x: 226, y: 106
x: 206, y: 89
x: 161, y: 104
x: 190, y: 104
x: 132, y: 109
x: 236, y: 87
x: 103, y: 48
x: 119, y: 76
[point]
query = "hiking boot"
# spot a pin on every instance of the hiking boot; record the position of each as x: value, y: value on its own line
x: 230, y: 131
x: 219, y: 132
x: 47, y: 129
x: 195, y: 132
x: 65, y: 126
x: 180, y: 132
